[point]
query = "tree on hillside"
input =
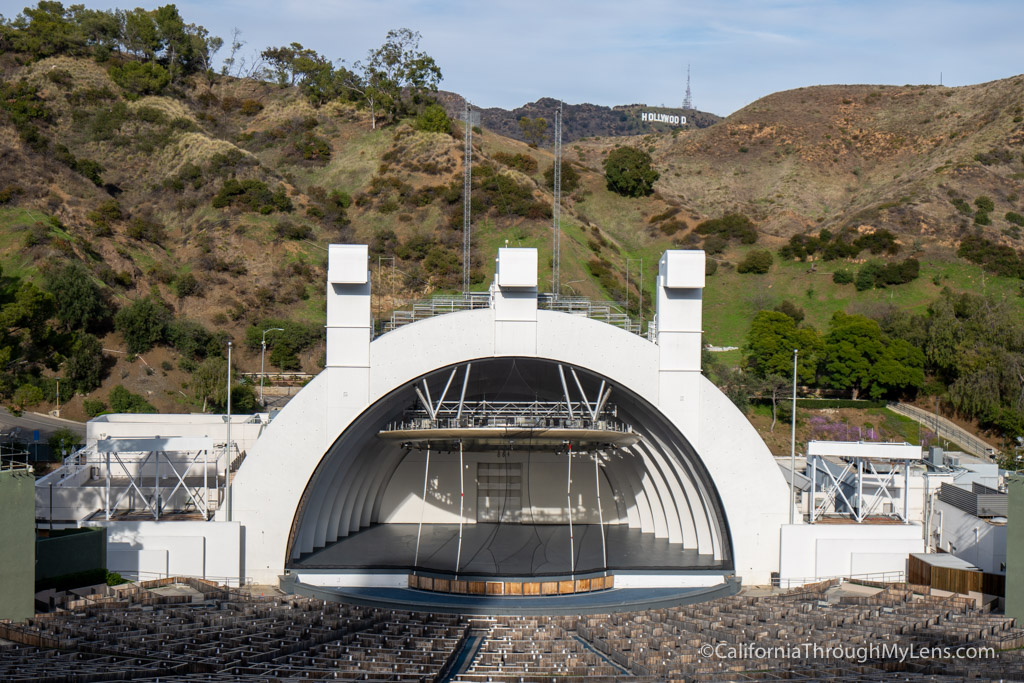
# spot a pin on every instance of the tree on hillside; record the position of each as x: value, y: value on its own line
x: 143, y: 323
x: 628, y: 171
x: 534, y: 130
x: 391, y: 72
x: 770, y: 343
x: 45, y: 30
x: 860, y: 358
x: 774, y: 387
x: 80, y: 302
x: 84, y: 367
x: 209, y: 388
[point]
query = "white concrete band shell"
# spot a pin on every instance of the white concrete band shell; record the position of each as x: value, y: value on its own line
x: 693, y: 475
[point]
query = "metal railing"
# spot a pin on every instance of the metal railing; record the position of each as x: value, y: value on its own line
x: 611, y: 312
x: 877, y: 577
x: 945, y: 429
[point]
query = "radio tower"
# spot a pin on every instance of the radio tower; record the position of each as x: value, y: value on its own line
x: 687, y: 101
x: 557, y: 209
x: 466, y: 189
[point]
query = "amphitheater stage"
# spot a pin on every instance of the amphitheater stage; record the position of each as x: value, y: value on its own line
x: 603, y: 602
x: 506, y: 550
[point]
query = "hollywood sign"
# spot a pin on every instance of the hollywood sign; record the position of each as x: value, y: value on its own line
x: 655, y: 117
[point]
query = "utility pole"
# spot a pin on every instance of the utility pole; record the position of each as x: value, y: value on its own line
x: 466, y: 190
x: 227, y: 448
x: 556, y: 212
x: 792, y: 448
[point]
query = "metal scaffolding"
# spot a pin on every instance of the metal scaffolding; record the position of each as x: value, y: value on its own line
x: 128, y: 463
x: 851, y: 468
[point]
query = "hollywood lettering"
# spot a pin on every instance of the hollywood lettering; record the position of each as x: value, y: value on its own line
x: 655, y: 117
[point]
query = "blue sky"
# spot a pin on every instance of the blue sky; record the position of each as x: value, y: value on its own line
x: 502, y: 53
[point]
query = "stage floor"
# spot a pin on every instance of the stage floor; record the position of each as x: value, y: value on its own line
x: 602, y: 602
x: 508, y: 550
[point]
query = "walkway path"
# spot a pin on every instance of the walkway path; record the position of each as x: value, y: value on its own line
x: 946, y: 430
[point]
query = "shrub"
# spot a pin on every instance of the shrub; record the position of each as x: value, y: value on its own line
x: 253, y: 195
x: 878, y: 242
x: 570, y: 178
x: 27, y: 395
x: 434, y: 120
x: 115, y: 579
x: 792, y: 310
x: 843, y: 276
x: 730, y: 226
x: 186, y: 285
x: 982, y: 218
x: 520, y: 162
x: 715, y: 244
x: 313, y: 148
x: 93, y: 407
x: 9, y: 193
x: 124, y: 401
x: 251, y: 107
x: 105, y: 214
x: 962, y: 206
x: 996, y: 258
x: 137, y: 78
x: 61, y: 77
x: 1015, y: 218
x: 629, y: 172
x: 985, y: 204
x: 147, y: 229
x: 758, y: 261
x: 866, y: 276
x: 293, y: 231
x: 63, y: 441
x: 143, y: 323
x: 191, y: 339
x: 340, y: 199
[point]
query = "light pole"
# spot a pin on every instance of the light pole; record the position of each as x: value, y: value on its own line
x: 792, y: 448
x: 263, y: 351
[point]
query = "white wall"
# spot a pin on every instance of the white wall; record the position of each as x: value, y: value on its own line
x: 819, y: 551
x: 202, y: 549
x: 985, y: 549
x: 244, y: 430
x: 543, y: 490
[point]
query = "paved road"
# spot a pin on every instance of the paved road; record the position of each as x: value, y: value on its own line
x: 32, y: 421
x: 946, y: 430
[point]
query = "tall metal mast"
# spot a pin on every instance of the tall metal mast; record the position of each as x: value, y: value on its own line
x: 556, y: 211
x: 687, y: 101
x: 466, y: 189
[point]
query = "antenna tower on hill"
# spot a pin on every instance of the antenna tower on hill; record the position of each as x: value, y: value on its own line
x: 687, y: 100
x: 556, y: 211
x: 466, y: 189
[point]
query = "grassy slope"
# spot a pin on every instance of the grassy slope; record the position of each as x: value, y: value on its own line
x: 814, y: 157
